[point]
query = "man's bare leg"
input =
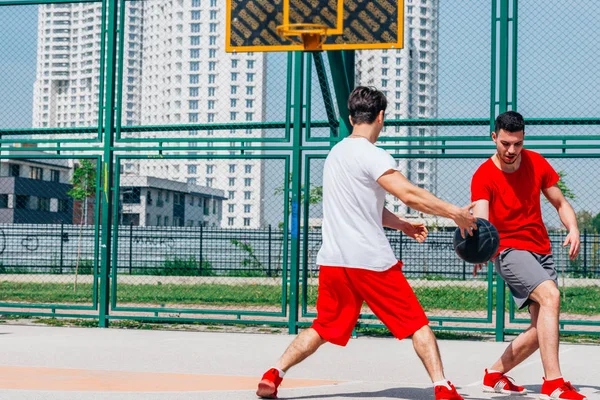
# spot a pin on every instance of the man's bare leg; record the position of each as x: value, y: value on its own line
x: 522, y: 346
x: 305, y: 344
x: 427, y: 349
x: 548, y: 297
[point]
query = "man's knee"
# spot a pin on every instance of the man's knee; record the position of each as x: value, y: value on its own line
x: 547, y: 295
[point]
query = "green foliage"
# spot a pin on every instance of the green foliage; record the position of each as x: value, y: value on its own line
x: 251, y: 262
x: 84, y: 180
x: 189, y: 266
x: 315, y: 193
x: 567, y: 192
x: 586, y: 221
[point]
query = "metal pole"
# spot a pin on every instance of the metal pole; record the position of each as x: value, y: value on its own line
x: 201, y: 253
x: 585, y: 252
x: 269, y: 259
x: 502, y: 107
x: 296, y: 189
x: 107, y: 161
x: 62, y: 245
x: 130, y: 248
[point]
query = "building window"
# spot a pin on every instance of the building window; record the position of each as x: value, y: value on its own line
x: 44, y: 204
x: 249, y: 90
x: 231, y: 168
x: 3, y: 200
x: 131, y: 195
x: 36, y: 173
x: 248, y: 168
x: 55, y: 175
x: 247, y: 195
x: 231, y: 181
x: 230, y: 221
x: 247, y: 208
x: 158, y: 220
x: 247, y: 181
x: 246, y: 221
x: 192, y: 169
x: 149, y: 198
x: 231, y: 195
x: 14, y: 170
x: 62, y: 205
x: 209, y: 182
x: 231, y: 208
x: 22, y: 202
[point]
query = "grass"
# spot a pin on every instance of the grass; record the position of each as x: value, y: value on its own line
x: 579, y: 300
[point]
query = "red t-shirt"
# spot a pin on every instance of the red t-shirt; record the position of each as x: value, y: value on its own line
x: 515, y: 207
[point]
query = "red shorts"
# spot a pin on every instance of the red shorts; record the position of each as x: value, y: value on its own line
x: 388, y: 294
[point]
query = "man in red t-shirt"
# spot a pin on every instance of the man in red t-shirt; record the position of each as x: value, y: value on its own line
x: 506, y: 189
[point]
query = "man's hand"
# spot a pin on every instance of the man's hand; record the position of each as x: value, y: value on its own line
x: 416, y: 231
x: 573, y: 240
x: 465, y: 220
x: 477, y: 268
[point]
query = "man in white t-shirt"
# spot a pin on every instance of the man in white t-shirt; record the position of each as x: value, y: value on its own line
x: 356, y: 260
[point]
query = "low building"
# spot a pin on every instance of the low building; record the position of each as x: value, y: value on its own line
x: 151, y: 201
x: 34, y: 191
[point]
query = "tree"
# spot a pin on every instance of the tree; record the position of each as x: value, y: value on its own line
x: 84, y: 187
x: 567, y: 192
x: 315, y: 194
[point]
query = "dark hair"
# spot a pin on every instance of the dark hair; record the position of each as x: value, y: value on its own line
x: 365, y: 103
x: 510, y: 121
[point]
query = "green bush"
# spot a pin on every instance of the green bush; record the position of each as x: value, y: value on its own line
x: 190, y: 266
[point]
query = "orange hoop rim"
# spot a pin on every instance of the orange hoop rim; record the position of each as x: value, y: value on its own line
x: 302, y: 34
x: 287, y: 30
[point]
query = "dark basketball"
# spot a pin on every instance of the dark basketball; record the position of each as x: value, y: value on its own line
x: 480, y: 247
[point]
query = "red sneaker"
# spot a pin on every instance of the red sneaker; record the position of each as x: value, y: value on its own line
x: 560, y: 389
x: 497, y: 382
x: 267, y: 387
x: 443, y: 393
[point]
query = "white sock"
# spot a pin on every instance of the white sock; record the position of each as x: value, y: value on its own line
x: 493, y: 371
x: 441, y: 383
x: 281, y: 373
x: 553, y: 379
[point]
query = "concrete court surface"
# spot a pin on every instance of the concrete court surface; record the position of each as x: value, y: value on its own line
x: 90, y: 363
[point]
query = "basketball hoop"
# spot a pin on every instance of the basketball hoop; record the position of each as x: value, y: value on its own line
x: 311, y: 36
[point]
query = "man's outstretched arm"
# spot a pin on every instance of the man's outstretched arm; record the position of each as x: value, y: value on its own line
x: 422, y: 200
x: 567, y: 217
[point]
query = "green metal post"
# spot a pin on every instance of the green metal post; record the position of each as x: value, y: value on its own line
x: 296, y: 188
x: 342, y: 90
x: 107, y: 161
x: 326, y: 92
x: 503, y: 90
x: 349, y: 62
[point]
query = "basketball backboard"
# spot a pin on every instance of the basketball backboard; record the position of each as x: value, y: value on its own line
x: 351, y: 24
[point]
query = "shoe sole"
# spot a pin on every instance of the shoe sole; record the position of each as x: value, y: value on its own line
x: 488, y: 389
x: 266, y: 390
x: 546, y: 397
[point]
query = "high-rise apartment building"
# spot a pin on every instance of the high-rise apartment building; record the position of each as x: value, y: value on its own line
x: 175, y: 71
x: 66, y: 89
x: 188, y: 78
x: 409, y: 79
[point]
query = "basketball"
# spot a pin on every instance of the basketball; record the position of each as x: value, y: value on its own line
x: 480, y: 247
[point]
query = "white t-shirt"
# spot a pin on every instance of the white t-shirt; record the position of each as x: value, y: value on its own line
x: 353, y: 201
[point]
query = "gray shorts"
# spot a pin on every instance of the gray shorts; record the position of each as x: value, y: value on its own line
x: 523, y: 271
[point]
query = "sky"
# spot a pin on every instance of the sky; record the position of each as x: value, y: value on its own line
x: 558, y: 76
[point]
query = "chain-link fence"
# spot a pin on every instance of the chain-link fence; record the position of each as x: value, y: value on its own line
x: 202, y: 199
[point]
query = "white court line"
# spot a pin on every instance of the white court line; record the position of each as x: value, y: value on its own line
x: 520, y: 366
